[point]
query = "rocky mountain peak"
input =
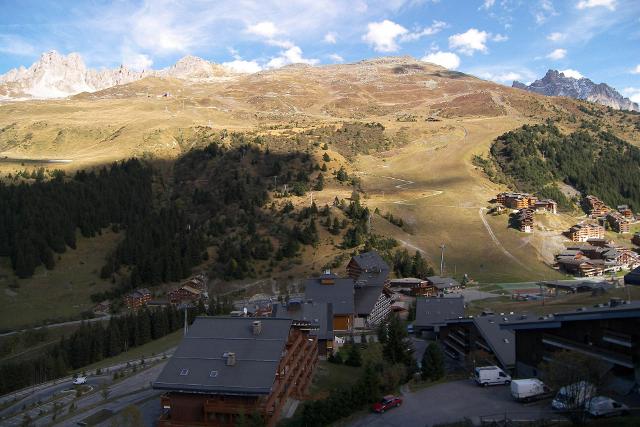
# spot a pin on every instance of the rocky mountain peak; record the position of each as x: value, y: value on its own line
x: 556, y: 83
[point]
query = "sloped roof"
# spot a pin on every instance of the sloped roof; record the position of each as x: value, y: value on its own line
x: 501, y: 341
x: 340, y: 294
x: 435, y: 311
x: 366, y: 298
x: 443, y: 282
x: 371, y: 261
x: 198, y: 364
x: 320, y: 315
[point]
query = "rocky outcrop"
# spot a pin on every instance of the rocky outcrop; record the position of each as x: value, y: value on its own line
x: 555, y: 83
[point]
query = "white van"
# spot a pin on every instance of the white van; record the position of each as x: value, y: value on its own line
x: 573, y: 396
x: 490, y: 375
x: 80, y: 381
x: 528, y: 390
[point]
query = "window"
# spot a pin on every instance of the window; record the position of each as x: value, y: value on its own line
x: 213, y: 374
x: 184, y: 372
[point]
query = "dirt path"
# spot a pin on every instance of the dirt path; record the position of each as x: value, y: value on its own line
x: 497, y: 242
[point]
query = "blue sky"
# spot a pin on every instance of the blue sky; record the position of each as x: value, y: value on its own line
x: 499, y: 40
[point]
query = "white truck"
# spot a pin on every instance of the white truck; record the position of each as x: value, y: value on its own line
x: 490, y: 375
x: 528, y: 390
x: 573, y: 396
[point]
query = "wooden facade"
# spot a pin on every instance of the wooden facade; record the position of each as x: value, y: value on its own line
x: 584, y: 231
x: 293, y: 376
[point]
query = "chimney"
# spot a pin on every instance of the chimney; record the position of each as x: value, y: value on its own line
x: 231, y: 358
x: 256, y: 326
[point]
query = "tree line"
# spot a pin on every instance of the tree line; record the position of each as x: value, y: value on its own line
x: 592, y: 161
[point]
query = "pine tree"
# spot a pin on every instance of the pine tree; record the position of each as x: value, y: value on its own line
x: 432, y: 363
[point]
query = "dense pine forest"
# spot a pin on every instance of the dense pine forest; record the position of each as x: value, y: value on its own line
x: 592, y: 161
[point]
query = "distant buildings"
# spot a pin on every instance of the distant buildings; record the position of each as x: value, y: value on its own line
x: 444, y: 285
x: 618, y: 222
x: 607, y: 332
x: 226, y: 368
x: 137, y: 298
x: 583, y: 231
x: 596, y: 257
x: 636, y: 239
x: 519, y: 201
x: 595, y: 207
x: 191, y: 291
x: 417, y: 287
x: 524, y: 220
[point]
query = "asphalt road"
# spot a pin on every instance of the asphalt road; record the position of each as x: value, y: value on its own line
x: 451, y: 402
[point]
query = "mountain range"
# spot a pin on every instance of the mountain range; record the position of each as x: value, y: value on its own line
x: 58, y: 76
x: 556, y: 83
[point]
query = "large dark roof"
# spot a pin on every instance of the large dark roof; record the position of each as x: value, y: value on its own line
x: 366, y: 298
x: 320, y: 316
x: 371, y: 261
x: 339, y: 294
x: 501, y: 341
x: 602, y: 311
x: 435, y: 311
x: 443, y: 282
x: 633, y: 277
x: 201, y: 352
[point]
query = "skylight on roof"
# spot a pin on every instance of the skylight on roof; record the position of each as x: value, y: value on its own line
x: 213, y: 374
x: 184, y: 372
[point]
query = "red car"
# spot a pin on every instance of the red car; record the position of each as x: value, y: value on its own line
x: 386, y: 403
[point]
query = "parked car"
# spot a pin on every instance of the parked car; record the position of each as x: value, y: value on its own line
x: 410, y: 329
x: 387, y: 403
x: 573, y: 396
x: 80, y: 381
x: 602, y: 406
x: 528, y: 390
x: 490, y: 375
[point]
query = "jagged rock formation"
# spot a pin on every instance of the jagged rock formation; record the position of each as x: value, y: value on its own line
x: 555, y: 83
x: 58, y: 76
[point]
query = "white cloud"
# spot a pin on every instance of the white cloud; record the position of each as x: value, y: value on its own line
x: 506, y: 77
x: 487, y: 4
x: 543, y: 10
x: 330, y: 38
x: 556, y: 37
x: 447, y: 60
x: 266, y: 29
x: 633, y: 93
x: 589, y: 4
x: 500, y: 38
x: 469, y: 42
x: 292, y: 55
x: 136, y: 61
x: 14, y: 45
x: 434, y: 28
x: 557, y: 54
x: 382, y: 35
x: 572, y: 73
x: 636, y: 70
x: 336, y: 58
x: 242, y: 66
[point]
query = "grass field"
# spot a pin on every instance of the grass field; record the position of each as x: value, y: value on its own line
x: 432, y: 185
x: 59, y: 294
x: 149, y: 349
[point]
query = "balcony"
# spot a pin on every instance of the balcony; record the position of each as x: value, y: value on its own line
x: 589, y: 350
x: 623, y: 340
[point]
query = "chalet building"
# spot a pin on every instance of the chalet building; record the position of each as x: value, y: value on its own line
x: 546, y: 205
x: 318, y: 315
x: 432, y: 314
x: 229, y: 367
x: 584, y: 231
x: 417, y: 287
x: 185, y: 294
x: 581, y: 266
x: 607, y: 332
x: 525, y: 221
x: 618, y: 223
x: 517, y: 200
x: 636, y: 239
x: 595, y: 207
x: 625, y: 212
x: 462, y: 337
x: 339, y: 292
x: 138, y: 298
x: 444, y: 285
x: 361, y: 300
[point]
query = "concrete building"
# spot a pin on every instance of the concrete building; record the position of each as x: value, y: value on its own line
x: 618, y: 223
x: 228, y: 367
x: 607, y: 332
x: 595, y: 207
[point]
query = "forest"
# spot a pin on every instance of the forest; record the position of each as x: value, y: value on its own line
x: 594, y: 162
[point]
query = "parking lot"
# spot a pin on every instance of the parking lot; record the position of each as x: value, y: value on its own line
x: 450, y: 402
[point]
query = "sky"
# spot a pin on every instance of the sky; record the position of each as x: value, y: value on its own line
x: 499, y: 40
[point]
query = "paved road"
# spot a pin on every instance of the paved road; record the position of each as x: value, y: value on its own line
x: 451, y: 402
